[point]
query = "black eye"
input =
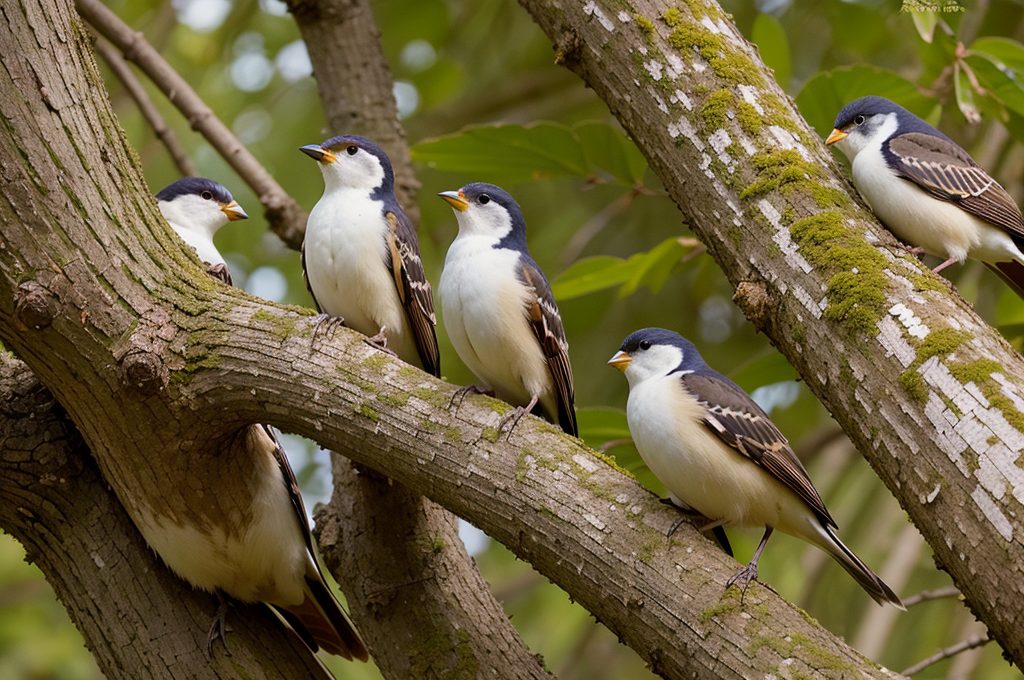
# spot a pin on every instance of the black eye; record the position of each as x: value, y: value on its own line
x: 206, y: 195
x: 352, y: 150
x: 645, y: 344
x: 859, y: 120
x: 484, y: 199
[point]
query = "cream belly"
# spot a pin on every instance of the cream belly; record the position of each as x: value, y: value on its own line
x: 703, y: 473
x: 345, y: 265
x: 266, y: 560
x: 496, y: 343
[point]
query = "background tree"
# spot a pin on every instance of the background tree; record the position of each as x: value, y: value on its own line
x: 464, y: 70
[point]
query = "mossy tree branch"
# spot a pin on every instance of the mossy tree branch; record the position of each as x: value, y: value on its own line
x: 930, y: 394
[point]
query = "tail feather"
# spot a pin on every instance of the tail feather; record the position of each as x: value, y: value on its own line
x: 322, y: 619
x: 879, y: 591
x: 1012, y: 274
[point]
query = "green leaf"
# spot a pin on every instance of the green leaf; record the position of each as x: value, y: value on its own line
x: 606, y: 148
x: 965, y: 96
x: 506, y: 154
x: 592, y: 274
x: 925, y: 23
x: 1008, y: 52
x: 826, y: 93
x: 771, y: 41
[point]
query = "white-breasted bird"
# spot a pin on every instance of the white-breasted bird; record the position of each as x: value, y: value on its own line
x: 928, y: 191
x: 718, y: 453
x: 235, y: 524
x: 361, y: 256
x: 196, y: 208
x: 499, y: 311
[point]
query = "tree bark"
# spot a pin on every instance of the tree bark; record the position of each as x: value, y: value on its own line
x: 929, y: 393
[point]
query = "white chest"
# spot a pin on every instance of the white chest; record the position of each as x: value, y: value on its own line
x: 483, y: 303
x: 345, y: 262
x: 203, y: 244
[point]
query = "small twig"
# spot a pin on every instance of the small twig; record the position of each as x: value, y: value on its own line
x: 612, y: 443
x: 953, y: 650
x: 163, y: 131
x: 286, y: 218
x: 925, y: 595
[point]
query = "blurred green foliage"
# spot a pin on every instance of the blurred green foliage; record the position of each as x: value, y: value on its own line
x: 482, y: 101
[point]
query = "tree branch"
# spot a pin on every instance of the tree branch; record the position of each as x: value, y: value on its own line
x: 928, y: 392
x: 119, y: 67
x: 286, y: 218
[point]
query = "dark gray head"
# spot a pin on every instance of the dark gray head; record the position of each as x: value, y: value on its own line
x: 198, y: 204
x: 206, y: 189
x: 488, y: 210
x: 354, y: 162
x: 869, y: 121
x: 656, y: 352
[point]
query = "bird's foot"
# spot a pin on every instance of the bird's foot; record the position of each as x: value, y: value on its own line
x: 220, y: 272
x: 512, y: 419
x: 462, y: 392
x: 218, y: 627
x: 742, y: 578
x: 945, y: 264
x: 380, y: 341
x: 326, y: 325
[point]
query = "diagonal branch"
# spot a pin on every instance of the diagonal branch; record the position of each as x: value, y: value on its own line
x: 286, y: 217
x: 927, y: 391
x: 131, y: 84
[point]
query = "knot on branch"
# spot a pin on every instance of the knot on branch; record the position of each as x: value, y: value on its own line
x: 753, y: 299
x: 143, y: 372
x: 34, y: 306
x: 568, y: 51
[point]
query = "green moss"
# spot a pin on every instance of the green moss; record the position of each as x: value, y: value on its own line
x: 732, y: 66
x: 649, y: 549
x: 367, y: 411
x: 491, y: 434
x: 433, y: 658
x: 939, y: 343
x: 396, y: 400
x: 547, y: 512
x: 377, y: 361
x: 647, y: 28
x: 437, y: 546
x: 672, y: 17
x: 724, y: 606
x: 432, y: 397
x: 715, y: 109
x: 977, y: 372
x: 452, y: 434
x: 800, y: 646
x: 749, y: 119
x: 281, y: 326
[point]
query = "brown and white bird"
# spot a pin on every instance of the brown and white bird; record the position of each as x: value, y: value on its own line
x: 718, y: 453
x: 361, y: 256
x: 928, y: 191
x: 234, y: 524
x: 499, y: 311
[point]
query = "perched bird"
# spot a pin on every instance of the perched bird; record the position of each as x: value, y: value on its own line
x: 499, y: 311
x: 240, y: 527
x: 196, y: 208
x: 719, y: 454
x: 928, y: 191
x: 361, y: 257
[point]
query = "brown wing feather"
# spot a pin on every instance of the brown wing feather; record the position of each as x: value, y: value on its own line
x: 739, y: 422
x: 305, y: 277
x: 947, y: 172
x: 542, y: 313
x: 413, y: 289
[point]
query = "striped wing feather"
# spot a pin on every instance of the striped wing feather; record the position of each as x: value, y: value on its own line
x: 739, y: 422
x: 413, y: 288
x: 947, y: 172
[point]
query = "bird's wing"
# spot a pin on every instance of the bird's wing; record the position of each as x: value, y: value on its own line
x: 403, y: 259
x: 947, y: 172
x: 542, y: 313
x: 268, y: 438
x: 305, y: 277
x: 739, y: 422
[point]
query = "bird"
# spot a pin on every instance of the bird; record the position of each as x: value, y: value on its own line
x: 928, y: 191
x: 499, y: 311
x: 196, y: 208
x: 361, y: 257
x: 719, y: 454
x: 247, y: 537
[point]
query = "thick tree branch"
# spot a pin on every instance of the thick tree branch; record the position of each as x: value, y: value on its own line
x: 139, y: 619
x: 287, y: 219
x: 928, y: 392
